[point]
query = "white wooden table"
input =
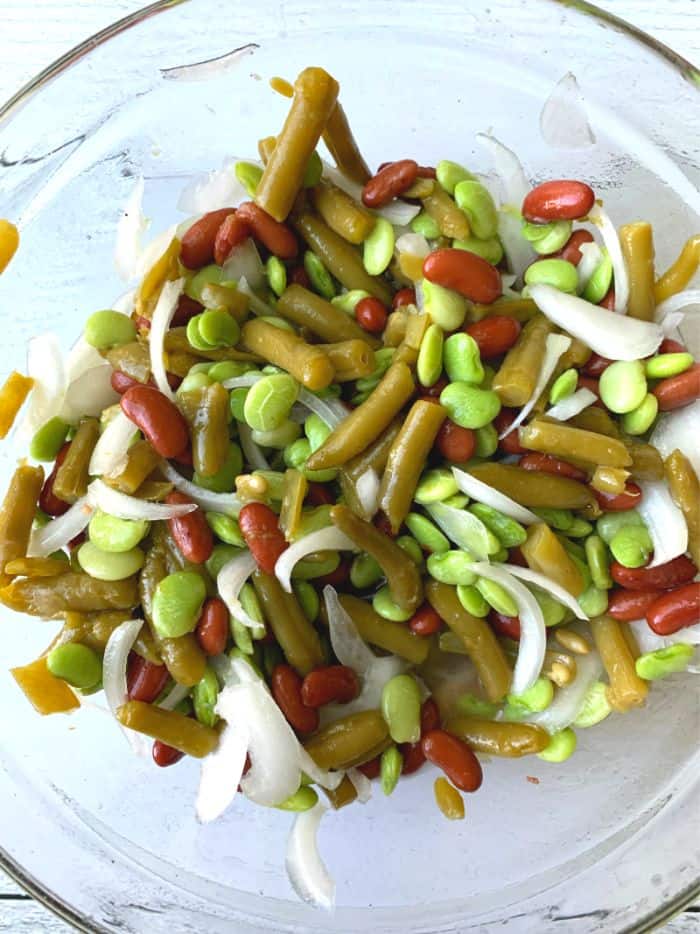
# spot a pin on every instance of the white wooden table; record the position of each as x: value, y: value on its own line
x: 35, y: 32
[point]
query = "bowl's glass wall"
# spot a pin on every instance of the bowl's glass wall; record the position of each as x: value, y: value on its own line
x: 601, y: 843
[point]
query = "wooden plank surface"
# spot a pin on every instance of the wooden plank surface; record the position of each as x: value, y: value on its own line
x: 35, y: 32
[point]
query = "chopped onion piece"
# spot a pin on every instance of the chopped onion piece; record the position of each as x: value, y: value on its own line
x: 533, y: 635
x: 569, y: 699
x: 242, y: 382
x: 331, y: 411
x: 228, y: 503
x: 518, y: 250
x: 229, y: 582
x: 545, y: 583
x: 110, y: 453
x: 555, y: 346
x: 89, y: 394
x: 349, y: 647
x: 413, y: 244
x: 60, y: 531
x: 617, y: 337
x: 509, y: 168
x: 328, y: 539
x: 361, y: 784
x: 679, y: 430
x: 124, y: 304
x: 130, y: 229
x: 649, y: 641
x: 305, y: 868
x: 367, y: 488
x: 689, y: 298
x: 563, y: 120
x: 45, y: 366
x: 322, y: 777
x: 213, y: 191
x: 664, y: 521
x: 591, y: 257
x: 244, y: 263
x: 83, y: 357
x: 162, y: 317
x: 463, y: 528
x: 601, y: 219
x: 122, y: 506
x: 572, y: 405
x: 178, y: 693
x: 483, y: 493
x: 114, y: 663
x: 381, y: 670
x: 671, y: 322
x: 251, y: 451
x: 222, y: 769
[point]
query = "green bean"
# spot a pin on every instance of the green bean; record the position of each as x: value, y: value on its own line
x: 451, y: 221
x: 307, y: 310
x: 558, y: 273
x: 390, y: 766
x: 401, y: 700
x: 51, y: 597
x: 631, y: 546
x: 308, y: 364
x: 343, y: 148
x: 351, y: 360
x: 429, y: 363
x: 390, y: 636
x: 109, y: 533
x: 435, y: 486
x: 296, y: 636
x: 623, y: 386
x: 48, y: 440
x: 349, y: 741
x: 452, y: 567
x: 462, y: 360
x: 379, y: 247
x: 141, y: 461
x: 106, y: 329
x: 17, y: 514
x: 476, y: 202
x: 569, y: 442
x: 446, y: 308
x: 76, y: 664
x: 169, y: 726
x: 472, y: 601
x: 509, y: 532
x: 561, y: 747
x: 516, y: 379
x: 342, y: 213
x: 204, y: 697
x: 426, y: 533
x: 71, y: 480
x: 663, y: 662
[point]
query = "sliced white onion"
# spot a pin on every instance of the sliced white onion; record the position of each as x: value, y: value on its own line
x: 82, y: 357
x: 230, y: 581
x: 328, y: 539
x: 361, y: 784
x: 679, y: 430
x: 483, y: 493
x: 572, y: 405
x: 413, y: 244
x: 689, y: 298
x: 153, y: 251
x: 671, y: 322
x: 251, y: 451
x: 399, y: 213
x: 114, y: 662
x: 367, y: 489
x: 177, y: 693
x: 569, y: 699
x: 305, y: 868
x: 131, y: 227
x: 330, y: 411
x: 213, y: 191
x: 244, y: 262
x: 222, y: 769
x: 591, y: 257
x: 122, y: 506
x: 89, y: 394
x: 349, y: 647
x: 555, y: 346
x: 227, y: 503
x: 533, y: 634
x: 61, y: 530
x: 649, y: 641
x: 321, y: 777
x: 509, y: 168
x: 242, y: 382
x: 124, y: 304
x: 463, y: 528
x: 545, y: 583
x: 518, y: 250
x: 46, y: 367
x: 563, y: 119
x: 601, y: 219
x: 617, y: 337
x: 163, y: 313
x: 664, y: 521
x: 110, y: 453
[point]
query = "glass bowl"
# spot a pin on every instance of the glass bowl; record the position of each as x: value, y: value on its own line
x: 607, y: 841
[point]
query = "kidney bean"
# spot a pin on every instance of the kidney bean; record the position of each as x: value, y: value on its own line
x: 429, y: 716
x: 120, y: 382
x: 510, y: 443
x: 371, y: 315
x: 675, y: 610
x: 144, y: 680
x: 680, y: 570
x: 494, y: 336
x: 335, y: 684
x: 262, y: 534
x: 213, y: 627
x: 142, y: 323
x: 508, y: 626
x: 571, y: 251
x: 619, y: 502
x: 299, y: 276
x: 318, y: 495
x: 560, y: 200
x: 185, y: 458
x: 595, y: 365
x: 676, y: 391
x: 455, y: 759
x: 463, y: 272
x: 588, y: 382
x: 337, y: 577
x: 186, y: 308
x: 191, y: 532
x: 433, y: 392
x: 425, y: 621
x: 164, y: 755
x: 628, y: 605
x: 608, y: 300
x: 197, y: 246
x: 158, y: 418
x: 230, y: 234
x: 276, y: 237
x: 286, y: 687
x: 389, y: 182
x: 668, y: 345
x: 412, y: 753
x: 546, y: 463
x: 427, y: 171
x: 516, y: 556
x: 403, y: 297
x: 48, y: 501
x: 455, y: 443
x: 372, y: 768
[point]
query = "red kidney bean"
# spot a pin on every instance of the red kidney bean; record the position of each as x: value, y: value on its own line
x: 318, y: 495
x: 186, y: 308
x: 571, y: 251
x: 120, y: 382
x: 286, y: 685
x: 336, y: 577
x: 371, y: 315
x: 186, y: 458
x: 429, y: 716
x: 213, y: 627
x: 299, y: 276
x: 595, y: 365
x: 515, y: 556
x: 494, y: 336
x: 668, y: 345
x: 628, y: 605
x: 412, y: 753
x: 588, y: 382
x: 276, y: 237
x: 508, y: 626
x: 425, y: 621
x: 675, y: 610
x: 191, y: 532
x: 608, y: 300
x: 560, y: 200
x: 230, y: 234
x: 381, y: 522
x: 546, y: 463
x: 454, y: 757
x: 455, y: 443
x: 427, y: 171
x: 48, y: 501
x: 372, y: 768
x: 197, y: 246
x: 403, y: 297
x: 144, y: 680
x: 158, y: 418
x: 463, y: 272
x: 335, y: 684
x: 619, y: 502
x: 389, y: 182
x: 262, y: 534
x: 433, y: 392
x: 676, y: 391
x: 510, y: 443
x: 164, y: 755
x: 680, y: 570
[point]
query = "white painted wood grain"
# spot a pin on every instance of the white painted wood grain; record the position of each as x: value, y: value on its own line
x: 35, y: 32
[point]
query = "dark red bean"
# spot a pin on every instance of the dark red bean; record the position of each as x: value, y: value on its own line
x: 546, y: 463
x: 286, y: 684
x: 508, y: 626
x: 144, y: 680
x: 425, y: 621
x: 334, y: 684
x: 454, y: 757
x: 371, y: 315
x: 164, y: 755
x: 680, y: 570
x: 262, y: 534
x: 628, y: 605
x: 403, y: 297
x: 675, y: 610
x: 455, y: 443
x: 619, y: 502
x: 213, y: 626
x: 191, y: 532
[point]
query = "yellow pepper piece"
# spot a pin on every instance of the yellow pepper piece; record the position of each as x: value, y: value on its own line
x: 14, y: 391
x: 163, y: 270
x: 9, y: 241
x: 45, y: 693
